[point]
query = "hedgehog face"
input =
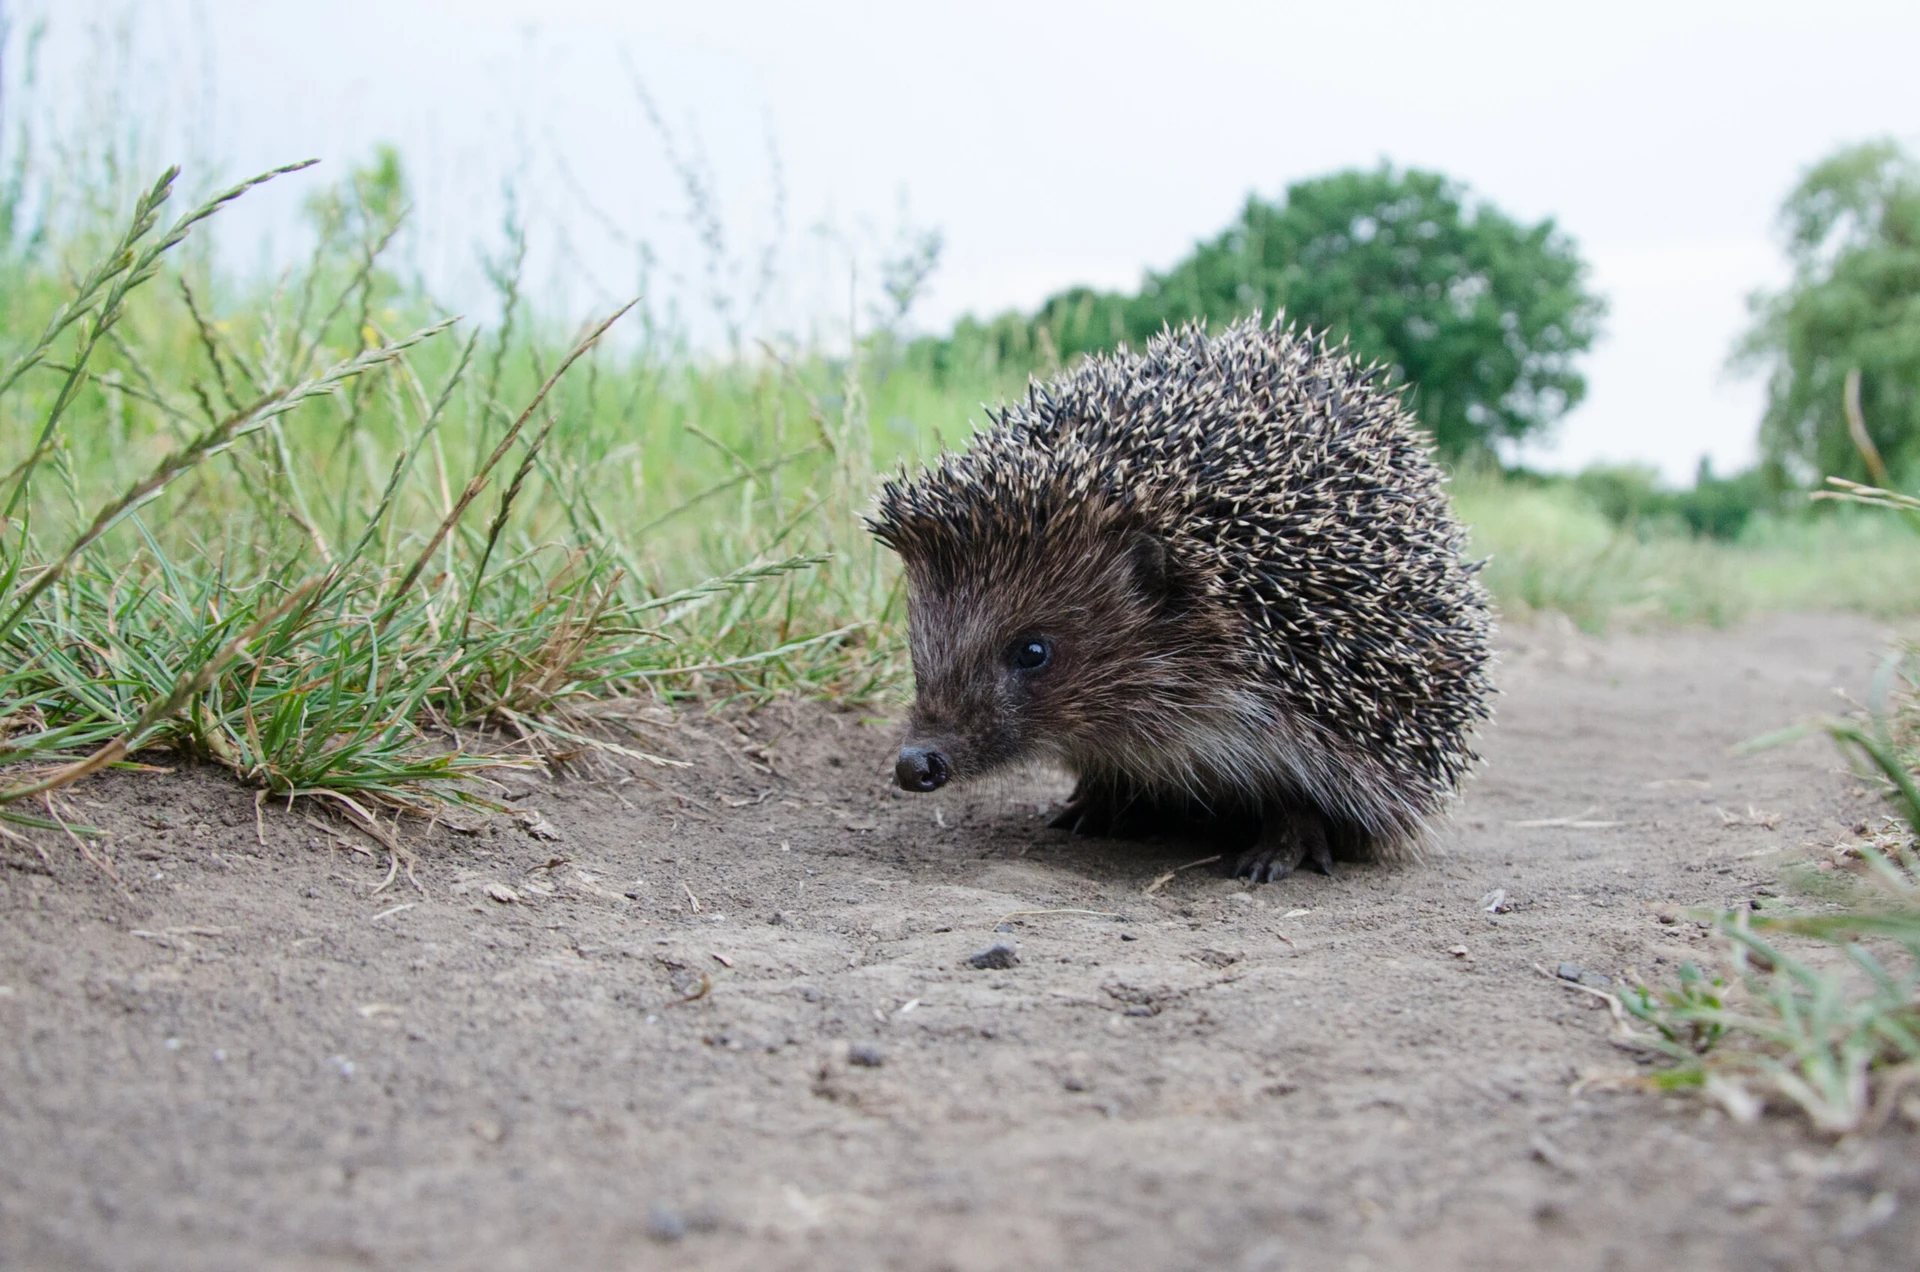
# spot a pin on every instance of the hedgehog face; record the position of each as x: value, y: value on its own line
x: 1045, y: 651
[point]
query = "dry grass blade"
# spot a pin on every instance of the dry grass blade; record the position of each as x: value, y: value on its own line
x: 1857, y: 430
x: 1096, y: 914
x: 479, y: 480
x: 202, y: 448
x: 1167, y: 878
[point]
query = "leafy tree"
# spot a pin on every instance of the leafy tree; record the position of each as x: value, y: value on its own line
x: 1481, y: 315
x: 1852, y: 228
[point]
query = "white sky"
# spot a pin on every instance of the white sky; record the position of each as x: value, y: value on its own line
x: 1054, y: 143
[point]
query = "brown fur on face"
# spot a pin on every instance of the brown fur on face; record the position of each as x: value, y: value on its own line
x: 1134, y: 646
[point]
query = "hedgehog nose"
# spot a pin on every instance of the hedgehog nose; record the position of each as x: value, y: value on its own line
x: 921, y: 768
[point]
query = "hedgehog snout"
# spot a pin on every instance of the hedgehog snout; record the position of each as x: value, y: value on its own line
x: 921, y: 768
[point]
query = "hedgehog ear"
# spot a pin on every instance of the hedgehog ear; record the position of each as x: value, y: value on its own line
x: 1148, y: 557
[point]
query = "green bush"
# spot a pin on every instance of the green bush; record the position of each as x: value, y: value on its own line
x: 1714, y: 507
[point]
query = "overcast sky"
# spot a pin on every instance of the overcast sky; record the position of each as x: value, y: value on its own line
x: 1050, y: 143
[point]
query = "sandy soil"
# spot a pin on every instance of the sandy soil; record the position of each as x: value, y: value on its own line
x: 252, y: 1056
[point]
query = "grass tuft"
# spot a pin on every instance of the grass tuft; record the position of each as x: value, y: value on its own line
x: 236, y: 538
x: 1832, y: 1025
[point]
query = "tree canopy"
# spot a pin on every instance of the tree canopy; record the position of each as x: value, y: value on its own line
x: 1480, y: 315
x: 1852, y: 230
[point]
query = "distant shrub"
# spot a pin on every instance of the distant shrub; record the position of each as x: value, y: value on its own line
x: 1715, y: 507
x: 1721, y: 507
x: 1624, y: 493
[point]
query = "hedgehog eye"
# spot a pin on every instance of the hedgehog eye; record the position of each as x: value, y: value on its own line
x: 1030, y: 653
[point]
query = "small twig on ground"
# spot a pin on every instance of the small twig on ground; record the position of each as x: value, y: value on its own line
x: 34, y: 844
x: 338, y: 838
x: 102, y: 863
x: 362, y: 820
x: 1615, y: 1008
x: 1167, y: 878
x: 1098, y: 914
x: 1575, y: 822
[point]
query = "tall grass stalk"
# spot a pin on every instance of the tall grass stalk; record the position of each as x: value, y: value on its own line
x: 197, y: 470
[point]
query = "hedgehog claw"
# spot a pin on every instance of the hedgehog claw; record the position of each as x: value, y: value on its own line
x: 1257, y: 865
x: 1287, y: 841
x: 1080, y: 817
x: 1102, y: 817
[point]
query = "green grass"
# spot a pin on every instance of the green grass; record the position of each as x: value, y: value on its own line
x: 1550, y: 549
x: 1831, y: 1023
x: 317, y: 531
x: 323, y: 537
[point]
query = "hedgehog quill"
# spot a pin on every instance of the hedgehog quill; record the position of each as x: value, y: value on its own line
x: 1218, y: 582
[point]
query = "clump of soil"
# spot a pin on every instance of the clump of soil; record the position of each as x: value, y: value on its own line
x: 769, y: 1012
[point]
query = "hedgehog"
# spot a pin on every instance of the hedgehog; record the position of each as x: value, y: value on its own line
x: 1219, y: 583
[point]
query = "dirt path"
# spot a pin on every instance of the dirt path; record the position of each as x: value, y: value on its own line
x: 253, y: 1058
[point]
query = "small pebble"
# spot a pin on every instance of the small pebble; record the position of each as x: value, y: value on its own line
x: 1569, y: 971
x: 995, y: 958
x: 665, y: 1224
x: 866, y: 1055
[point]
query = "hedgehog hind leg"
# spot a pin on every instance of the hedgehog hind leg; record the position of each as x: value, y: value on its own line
x: 1288, y: 839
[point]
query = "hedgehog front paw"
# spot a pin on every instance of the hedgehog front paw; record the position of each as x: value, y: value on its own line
x: 1084, y: 815
x: 1287, y: 840
x: 1124, y: 813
